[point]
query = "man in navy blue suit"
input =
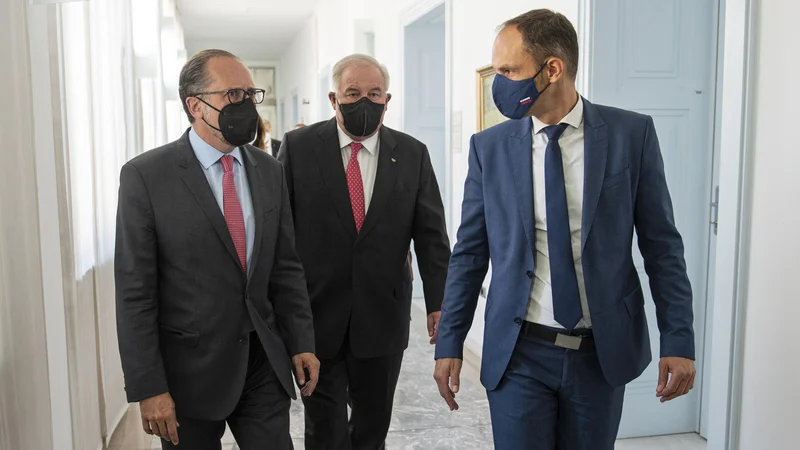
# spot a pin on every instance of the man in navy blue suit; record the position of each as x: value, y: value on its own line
x: 552, y: 199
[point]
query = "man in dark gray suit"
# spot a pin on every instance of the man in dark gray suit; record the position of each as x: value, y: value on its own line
x: 361, y: 192
x: 211, y: 295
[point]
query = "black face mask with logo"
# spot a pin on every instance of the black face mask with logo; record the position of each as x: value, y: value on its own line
x: 238, y: 122
x: 363, y: 117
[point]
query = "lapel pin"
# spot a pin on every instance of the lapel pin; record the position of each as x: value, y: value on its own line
x: 394, y: 160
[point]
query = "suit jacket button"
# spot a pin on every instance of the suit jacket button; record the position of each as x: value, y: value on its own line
x: 529, y: 274
x: 518, y: 320
x: 243, y: 340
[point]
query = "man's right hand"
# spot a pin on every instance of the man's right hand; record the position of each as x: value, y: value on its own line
x: 158, y: 417
x: 447, y: 375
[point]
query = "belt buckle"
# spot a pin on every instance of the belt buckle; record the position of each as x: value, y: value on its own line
x: 567, y: 341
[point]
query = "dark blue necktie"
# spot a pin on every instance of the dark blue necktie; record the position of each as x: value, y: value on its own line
x: 566, y: 300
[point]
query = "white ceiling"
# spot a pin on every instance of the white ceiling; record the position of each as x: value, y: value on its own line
x: 252, y: 29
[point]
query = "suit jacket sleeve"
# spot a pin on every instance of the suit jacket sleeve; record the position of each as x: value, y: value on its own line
x: 662, y: 248
x: 288, y: 289
x: 468, y: 266
x: 274, y: 146
x: 430, y: 236
x: 136, y: 273
x: 283, y: 157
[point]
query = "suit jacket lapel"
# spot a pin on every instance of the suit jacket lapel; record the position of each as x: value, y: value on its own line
x: 192, y: 174
x: 255, y: 182
x: 595, y: 154
x: 520, y: 157
x: 384, y: 182
x: 329, y: 159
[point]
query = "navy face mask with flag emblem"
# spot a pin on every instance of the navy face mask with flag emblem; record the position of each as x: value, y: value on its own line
x: 515, y: 98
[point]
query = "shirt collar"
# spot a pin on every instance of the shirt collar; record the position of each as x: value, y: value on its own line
x: 573, y: 119
x: 370, y: 144
x: 208, y: 155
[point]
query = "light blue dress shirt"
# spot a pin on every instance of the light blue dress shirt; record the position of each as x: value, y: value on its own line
x: 209, y: 158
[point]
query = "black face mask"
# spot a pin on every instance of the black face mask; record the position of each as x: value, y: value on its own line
x: 238, y: 123
x: 363, y: 117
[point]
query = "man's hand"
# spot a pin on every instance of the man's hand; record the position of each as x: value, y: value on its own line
x: 306, y: 361
x: 447, y: 375
x: 158, y: 417
x: 433, y: 325
x: 679, y: 372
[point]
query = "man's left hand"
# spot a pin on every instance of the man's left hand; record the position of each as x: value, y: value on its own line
x: 679, y: 372
x: 306, y: 361
x: 433, y: 325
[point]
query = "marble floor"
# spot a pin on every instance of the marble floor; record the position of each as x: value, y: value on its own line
x: 421, y: 419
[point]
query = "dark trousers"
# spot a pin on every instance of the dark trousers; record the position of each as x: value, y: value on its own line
x: 367, y: 386
x: 554, y: 398
x: 260, y: 420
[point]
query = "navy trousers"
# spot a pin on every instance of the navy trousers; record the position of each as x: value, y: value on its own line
x: 551, y: 398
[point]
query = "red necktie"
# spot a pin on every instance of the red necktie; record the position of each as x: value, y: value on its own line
x: 233, y: 211
x: 356, y: 185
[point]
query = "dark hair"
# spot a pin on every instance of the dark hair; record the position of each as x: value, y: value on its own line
x: 548, y: 34
x: 194, y: 76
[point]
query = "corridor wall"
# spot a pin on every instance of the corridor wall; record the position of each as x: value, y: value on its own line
x: 770, y: 364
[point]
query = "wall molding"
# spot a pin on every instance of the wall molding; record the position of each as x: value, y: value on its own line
x: 733, y: 233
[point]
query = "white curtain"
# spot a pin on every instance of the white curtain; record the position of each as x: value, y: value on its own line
x: 117, y: 54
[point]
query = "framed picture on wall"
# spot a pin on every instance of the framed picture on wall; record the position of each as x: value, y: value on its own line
x: 487, y: 114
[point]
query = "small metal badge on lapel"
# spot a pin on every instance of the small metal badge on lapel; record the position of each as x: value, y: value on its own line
x: 394, y: 160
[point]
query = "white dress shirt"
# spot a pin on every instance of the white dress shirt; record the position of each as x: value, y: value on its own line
x: 367, y: 161
x: 540, y: 304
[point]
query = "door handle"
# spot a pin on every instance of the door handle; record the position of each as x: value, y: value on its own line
x: 715, y: 209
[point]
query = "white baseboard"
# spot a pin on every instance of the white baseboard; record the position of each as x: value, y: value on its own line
x: 472, y: 358
x: 114, y: 425
x: 419, y: 302
x: 474, y: 345
x: 471, y: 370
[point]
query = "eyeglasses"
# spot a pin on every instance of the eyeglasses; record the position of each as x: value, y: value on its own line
x: 237, y: 95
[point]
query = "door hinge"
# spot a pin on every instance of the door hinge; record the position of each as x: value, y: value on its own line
x: 715, y: 209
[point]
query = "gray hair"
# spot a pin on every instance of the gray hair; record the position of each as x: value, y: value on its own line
x: 194, y: 76
x: 357, y: 59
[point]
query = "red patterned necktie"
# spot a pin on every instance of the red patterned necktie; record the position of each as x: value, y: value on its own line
x: 233, y: 211
x: 356, y: 185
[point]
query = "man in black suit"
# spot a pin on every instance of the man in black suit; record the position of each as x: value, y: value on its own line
x: 274, y: 144
x: 211, y: 295
x: 360, y: 193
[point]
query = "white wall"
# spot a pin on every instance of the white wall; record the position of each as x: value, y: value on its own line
x: 298, y: 73
x: 331, y: 35
x: 771, y: 363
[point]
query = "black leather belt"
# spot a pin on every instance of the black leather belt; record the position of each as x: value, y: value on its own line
x: 581, y: 339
